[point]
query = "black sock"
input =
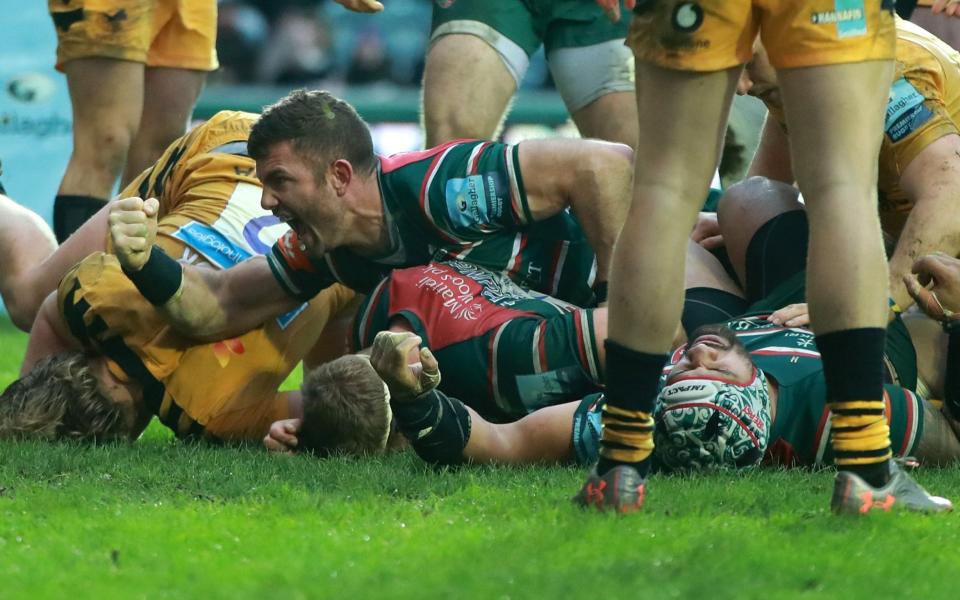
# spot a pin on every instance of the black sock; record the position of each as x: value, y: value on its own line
x: 632, y: 380
x: 70, y: 212
x: 853, y: 370
x: 951, y: 396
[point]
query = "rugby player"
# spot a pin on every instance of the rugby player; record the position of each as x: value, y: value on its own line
x: 919, y: 165
x: 704, y: 417
x: 480, y: 50
x: 355, y: 216
x: 101, y: 361
x: 831, y: 65
x: 126, y: 60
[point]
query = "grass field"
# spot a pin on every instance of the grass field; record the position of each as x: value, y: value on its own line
x: 163, y: 519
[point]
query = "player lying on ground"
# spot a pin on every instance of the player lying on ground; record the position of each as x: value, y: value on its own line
x: 787, y: 359
x: 356, y: 216
x: 510, y: 351
x: 101, y: 361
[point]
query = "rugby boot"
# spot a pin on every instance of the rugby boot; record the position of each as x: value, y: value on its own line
x: 621, y: 489
x: 853, y: 495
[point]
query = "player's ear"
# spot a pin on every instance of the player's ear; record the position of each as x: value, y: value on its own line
x: 341, y: 174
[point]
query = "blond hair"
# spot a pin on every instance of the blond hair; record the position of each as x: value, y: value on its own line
x: 60, y: 399
x: 345, y: 409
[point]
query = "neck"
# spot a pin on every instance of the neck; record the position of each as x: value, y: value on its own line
x: 367, y: 232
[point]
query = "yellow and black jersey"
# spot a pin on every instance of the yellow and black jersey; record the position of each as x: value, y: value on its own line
x: 210, y: 215
x: 225, y: 390
x: 923, y: 105
x: 178, y: 34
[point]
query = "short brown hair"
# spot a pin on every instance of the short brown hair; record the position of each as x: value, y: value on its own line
x: 60, y: 399
x: 319, y: 125
x: 344, y: 408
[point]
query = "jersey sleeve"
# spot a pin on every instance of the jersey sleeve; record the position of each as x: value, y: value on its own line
x: 586, y: 429
x: 473, y: 189
x: 916, y: 113
x: 298, y: 274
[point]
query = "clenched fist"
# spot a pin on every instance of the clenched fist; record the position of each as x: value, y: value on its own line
x: 133, y: 229
x: 390, y: 357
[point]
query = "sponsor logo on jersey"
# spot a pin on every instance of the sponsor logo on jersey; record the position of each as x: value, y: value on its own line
x: 687, y: 17
x: 849, y: 16
x: 473, y: 202
x: 458, y: 293
x: 906, y: 111
x: 217, y: 248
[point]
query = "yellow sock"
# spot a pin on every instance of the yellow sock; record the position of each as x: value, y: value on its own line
x: 860, y: 432
x: 627, y: 435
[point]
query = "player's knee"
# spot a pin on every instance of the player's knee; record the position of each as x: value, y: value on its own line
x: 746, y: 197
x: 606, y: 161
x: 22, y: 305
x: 103, y: 150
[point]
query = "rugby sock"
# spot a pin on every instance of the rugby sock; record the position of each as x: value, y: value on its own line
x: 853, y: 369
x: 437, y: 426
x: 70, y: 212
x: 631, y: 391
x: 951, y: 385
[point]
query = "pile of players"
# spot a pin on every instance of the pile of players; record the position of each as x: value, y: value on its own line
x: 456, y: 299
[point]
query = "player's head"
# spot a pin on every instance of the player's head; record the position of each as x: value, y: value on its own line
x: 309, y: 147
x: 714, y: 408
x: 346, y: 409
x: 319, y: 126
x: 70, y: 396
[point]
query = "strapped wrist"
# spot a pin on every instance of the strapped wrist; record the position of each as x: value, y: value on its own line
x: 160, y: 279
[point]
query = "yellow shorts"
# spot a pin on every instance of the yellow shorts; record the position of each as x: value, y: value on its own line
x: 159, y: 33
x: 713, y: 35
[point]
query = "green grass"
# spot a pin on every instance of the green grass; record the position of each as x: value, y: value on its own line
x: 163, y: 519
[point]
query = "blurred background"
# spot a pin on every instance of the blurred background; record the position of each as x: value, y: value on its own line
x: 266, y: 48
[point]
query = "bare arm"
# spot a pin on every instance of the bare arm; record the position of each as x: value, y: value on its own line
x: 48, y: 336
x: 932, y: 180
x: 209, y: 305
x: 214, y: 305
x: 772, y: 159
x: 541, y: 436
x: 594, y: 178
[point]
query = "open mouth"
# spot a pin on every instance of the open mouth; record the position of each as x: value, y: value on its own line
x: 292, y: 221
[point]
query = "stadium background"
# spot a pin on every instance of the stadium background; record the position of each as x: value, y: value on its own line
x: 267, y: 48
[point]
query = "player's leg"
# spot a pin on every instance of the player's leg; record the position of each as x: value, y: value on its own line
x: 101, y: 47
x: 33, y: 264
x: 168, y: 100
x: 181, y: 53
x: 479, y: 51
x: 835, y: 118
x: 712, y: 296
x: 25, y: 241
x: 683, y: 117
x: 466, y: 90
x: 939, y: 443
x: 106, y: 97
x: 594, y: 72
x: 755, y: 244
x: 610, y: 117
